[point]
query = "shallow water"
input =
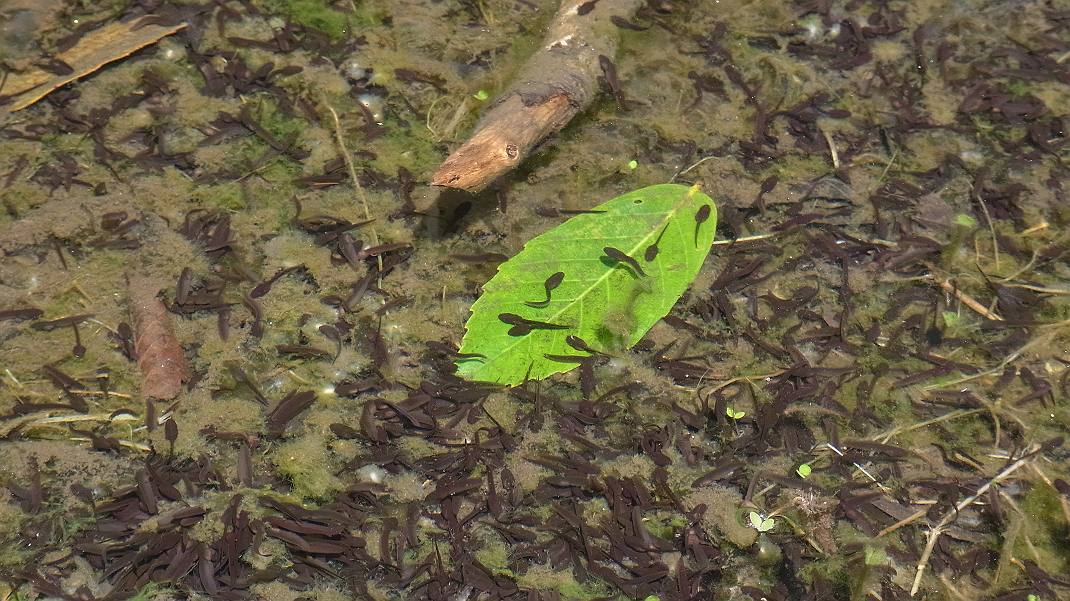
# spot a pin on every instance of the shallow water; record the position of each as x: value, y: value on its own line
x: 894, y: 314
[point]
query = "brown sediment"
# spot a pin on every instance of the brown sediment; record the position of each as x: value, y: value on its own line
x: 160, y: 357
x: 555, y: 85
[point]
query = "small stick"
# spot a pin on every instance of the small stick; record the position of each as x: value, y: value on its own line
x: 832, y: 149
x: 945, y: 521
x: 692, y: 166
x: 348, y: 158
x: 903, y: 522
x: 743, y: 239
x: 991, y: 227
x: 137, y: 446
x: 884, y: 438
x: 558, y: 82
x: 120, y: 395
x: 1028, y: 266
x: 995, y: 369
x: 95, y: 417
x: 969, y: 301
x: 1025, y: 535
x: 1041, y: 289
x: 1043, y: 225
x: 832, y: 447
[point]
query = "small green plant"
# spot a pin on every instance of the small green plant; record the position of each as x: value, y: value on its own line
x: 652, y: 598
x: 735, y: 415
x: 593, y: 285
x: 1032, y: 597
x: 633, y: 165
x: 760, y: 522
x: 951, y: 318
x: 481, y: 95
x: 965, y: 220
x: 804, y: 470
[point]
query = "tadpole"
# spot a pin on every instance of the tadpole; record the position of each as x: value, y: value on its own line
x: 523, y: 326
x: 700, y: 217
x: 549, y: 285
x: 651, y: 252
x: 622, y: 257
x: 579, y: 344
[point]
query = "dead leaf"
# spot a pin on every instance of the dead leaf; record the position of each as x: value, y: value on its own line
x: 96, y: 49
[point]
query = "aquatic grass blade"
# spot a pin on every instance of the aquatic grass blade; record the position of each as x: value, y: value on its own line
x: 625, y: 265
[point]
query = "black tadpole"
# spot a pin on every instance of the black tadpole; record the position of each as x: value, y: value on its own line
x: 550, y: 284
x: 700, y: 217
x: 580, y: 345
x: 652, y: 251
x: 523, y: 326
x: 622, y: 257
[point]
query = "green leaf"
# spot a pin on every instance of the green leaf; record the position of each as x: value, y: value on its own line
x: 804, y: 470
x: 761, y: 524
x: 732, y: 413
x: 481, y: 95
x: 624, y: 265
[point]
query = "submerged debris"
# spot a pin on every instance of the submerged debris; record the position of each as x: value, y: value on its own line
x: 163, y: 364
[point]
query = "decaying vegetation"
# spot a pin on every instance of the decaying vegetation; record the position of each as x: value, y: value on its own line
x: 888, y: 304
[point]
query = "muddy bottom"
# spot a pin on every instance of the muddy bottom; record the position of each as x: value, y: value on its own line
x: 863, y: 395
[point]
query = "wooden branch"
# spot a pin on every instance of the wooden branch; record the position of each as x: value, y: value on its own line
x: 969, y: 301
x: 558, y: 82
x: 160, y: 357
x: 952, y: 514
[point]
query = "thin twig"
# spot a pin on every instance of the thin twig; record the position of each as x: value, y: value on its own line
x: 969, y: 301
x: 952, y: 514
x: 860, y: 468
x: 78, y: 417
x: 884, y: 438
x: 1043, y: 225
x: 353, y: 178
x: 832, y: 149
x: 743, y: 239
x: 991, y: 227
x: 1040, y: 289
x: 137, y: 446
x: 1025, y: 534
x: 1027, y: 267
x: 730, y: 381
x: 903, y: 522
x: 103, y: 393
x: 692, y: 166
x: 1052, y: 327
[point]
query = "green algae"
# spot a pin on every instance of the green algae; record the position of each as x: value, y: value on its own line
x: 317, y: 14
x: 564, y: 582
x: 1047, y: 529
x: 227, y: 196
x: 306, y: 461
